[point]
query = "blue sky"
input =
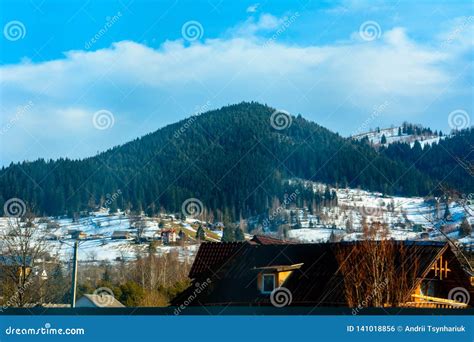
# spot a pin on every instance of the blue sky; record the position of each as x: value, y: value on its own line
x: 347, y: 65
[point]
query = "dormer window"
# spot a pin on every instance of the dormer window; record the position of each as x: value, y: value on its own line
x: 273, y: 276
x: 268, y: 283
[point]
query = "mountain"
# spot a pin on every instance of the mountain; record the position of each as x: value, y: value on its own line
x: 234, y: 160
x: 450, y: 160
x: 407, y: 132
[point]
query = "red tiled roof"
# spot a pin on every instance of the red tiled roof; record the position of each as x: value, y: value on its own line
x: 212, y: 256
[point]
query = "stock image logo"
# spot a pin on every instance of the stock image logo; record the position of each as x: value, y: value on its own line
x: 14, y: 207
x: 280, y: 120
x: 192, y: 30
x: 104, y: 296
x: 14, y: 30
x: 459, y: 294
x: 370, y: 30
x: 103, y: 119
x: 370, y: 211
x: 281, y: 297
x: 459, y: 119
x: 192, y: 207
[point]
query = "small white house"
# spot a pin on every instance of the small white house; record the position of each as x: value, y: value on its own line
x: 98, y: 301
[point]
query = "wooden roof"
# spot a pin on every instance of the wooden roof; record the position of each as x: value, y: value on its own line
x: 233, y: 268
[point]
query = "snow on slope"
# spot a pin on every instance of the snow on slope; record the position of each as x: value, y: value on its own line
x: 406, y: 217
x: 98, y: 245
x: 392, y: 136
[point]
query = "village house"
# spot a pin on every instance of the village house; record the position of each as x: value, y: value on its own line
x: 77, y: 234
x: 98, y: 301
x: 168, y: 236
x: 424, y: 274
x: 121, y: 235
x: 15, y: 265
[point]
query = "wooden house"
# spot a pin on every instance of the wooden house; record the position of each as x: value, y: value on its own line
x: 121, y: 235
x: 77, y: 234
x: 16, y: 265
x: 247, y: 273
x: 168, y: 236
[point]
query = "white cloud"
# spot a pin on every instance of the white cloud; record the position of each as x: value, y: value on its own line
x: 253, y: 8
x: 250, y: 27
x: 146, y: 88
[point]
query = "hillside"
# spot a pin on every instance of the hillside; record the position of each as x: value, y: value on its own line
x: 232, y: 159
x: 406, y: 133
x: 449, y: 160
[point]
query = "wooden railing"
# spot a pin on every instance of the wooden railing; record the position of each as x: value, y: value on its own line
x: 434, y: 303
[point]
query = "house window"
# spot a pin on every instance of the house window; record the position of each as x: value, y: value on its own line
x: 268, y: 283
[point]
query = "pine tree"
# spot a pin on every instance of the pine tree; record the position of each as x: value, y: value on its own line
x: 465, y: 228
x: 239, y: 234
x: 200, y: 234
x: 228, y: 234
x: 383, y: 140
x: 447, y: 213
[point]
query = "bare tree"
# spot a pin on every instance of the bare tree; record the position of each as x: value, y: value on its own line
x: 25, y: 249
x: 376, y: 271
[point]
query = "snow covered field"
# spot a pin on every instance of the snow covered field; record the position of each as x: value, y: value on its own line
x: 392, y: 136
x: 97, y: 243
x: 406, y: 217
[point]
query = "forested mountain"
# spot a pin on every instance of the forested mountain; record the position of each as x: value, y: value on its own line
x: 449, y: 161
x: 232, y: 159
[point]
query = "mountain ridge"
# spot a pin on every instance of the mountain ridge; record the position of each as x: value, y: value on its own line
x: 233, y: 159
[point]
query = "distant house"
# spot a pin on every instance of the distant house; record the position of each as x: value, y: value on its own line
x: 247, y: 273
x: 98, y: 301
x: 15, y: 264
x: 168, y: 236
x: 121, y: 235
x: 77, y: 234
x: 218, y: 226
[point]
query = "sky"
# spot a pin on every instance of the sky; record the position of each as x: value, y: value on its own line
x: 79, y: 77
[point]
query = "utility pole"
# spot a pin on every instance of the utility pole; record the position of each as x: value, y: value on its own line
x: 74, y: 276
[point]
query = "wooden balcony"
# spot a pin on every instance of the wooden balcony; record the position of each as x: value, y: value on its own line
x: 422, y: 301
